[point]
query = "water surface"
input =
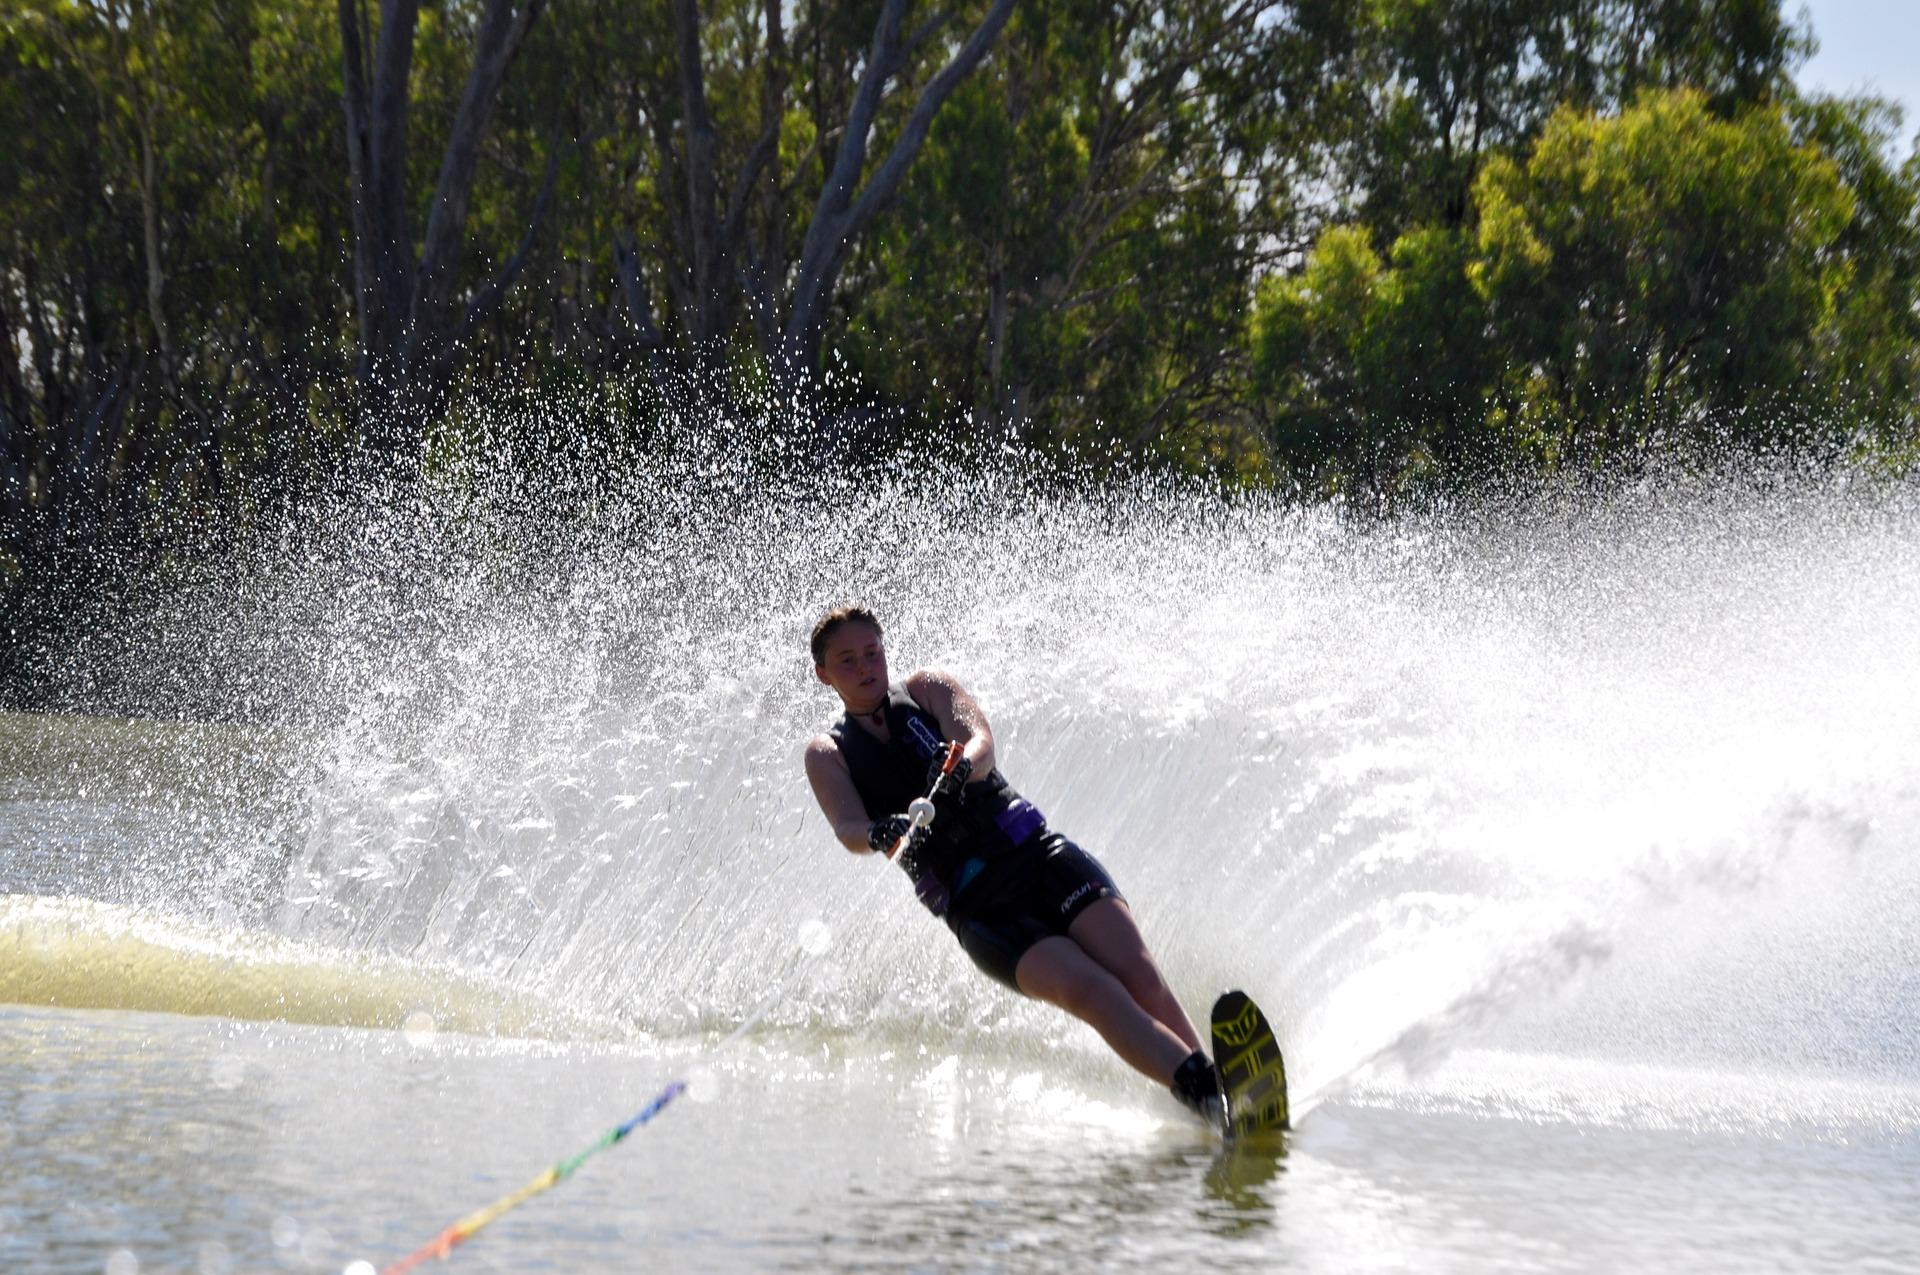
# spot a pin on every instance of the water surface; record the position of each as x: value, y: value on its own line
x: 1569, y: 849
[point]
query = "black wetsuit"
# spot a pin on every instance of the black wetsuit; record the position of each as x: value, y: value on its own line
x: 989, y: 866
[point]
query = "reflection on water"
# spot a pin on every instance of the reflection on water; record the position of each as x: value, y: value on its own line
x: 208, y: 1145
x: 119, y: 1141
x: 1241, y: 1180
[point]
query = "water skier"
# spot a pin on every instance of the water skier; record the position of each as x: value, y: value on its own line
x: 1032, y: 909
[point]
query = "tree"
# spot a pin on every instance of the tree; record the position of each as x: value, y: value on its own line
x: 1665, y: 270
x: 714, y: 260
x: 168, y: 284
x: 406, y: 297
x: 144, y: 363
x: 1404, y: 348
x: 1869, y: 357
x: 1380, y: 369
x: 1070, y: 259
x: 1659, y: 279
x: 1429, y: 88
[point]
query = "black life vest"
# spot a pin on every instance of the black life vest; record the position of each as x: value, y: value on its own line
x: 992, y: 821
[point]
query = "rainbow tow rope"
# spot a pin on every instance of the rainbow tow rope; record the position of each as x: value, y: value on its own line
x: 469, y: 1226
x: 443, y: 1244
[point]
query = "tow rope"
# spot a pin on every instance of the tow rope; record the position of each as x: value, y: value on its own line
x: 920, y: 815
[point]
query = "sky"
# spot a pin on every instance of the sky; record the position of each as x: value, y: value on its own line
x: 1871, y: 45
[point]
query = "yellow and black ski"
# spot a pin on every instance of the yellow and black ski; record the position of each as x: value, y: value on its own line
x: 1251, y: 1068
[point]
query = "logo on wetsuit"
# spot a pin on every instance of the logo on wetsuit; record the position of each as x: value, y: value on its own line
x: 1079, y: 893
x: 923, y: 735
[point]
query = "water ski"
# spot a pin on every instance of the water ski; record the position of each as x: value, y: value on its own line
x: 1251, y: 1069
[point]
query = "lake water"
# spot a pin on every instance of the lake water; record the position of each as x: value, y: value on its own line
x: 1571, y: 851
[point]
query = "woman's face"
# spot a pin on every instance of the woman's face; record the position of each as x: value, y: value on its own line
x: 856, y: 666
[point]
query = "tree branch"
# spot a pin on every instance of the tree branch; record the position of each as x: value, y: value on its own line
x: 839, y: 215
x: 907, y: 146
x: 626, y: 264
x: 924, y: 32
x: 502, y: 31
x: 851, y: 158
x: 766, y: 147
x: 489, y: 297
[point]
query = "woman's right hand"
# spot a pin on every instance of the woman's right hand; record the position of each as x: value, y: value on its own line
x: 884, y: 834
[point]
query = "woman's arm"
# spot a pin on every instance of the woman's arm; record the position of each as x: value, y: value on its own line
x: 839, y: 799
x: 960, y: 717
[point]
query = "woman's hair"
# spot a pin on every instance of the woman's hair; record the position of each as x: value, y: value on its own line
x: 830, y: 623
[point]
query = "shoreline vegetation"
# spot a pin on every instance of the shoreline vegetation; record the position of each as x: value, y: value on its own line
x: 258, y: 254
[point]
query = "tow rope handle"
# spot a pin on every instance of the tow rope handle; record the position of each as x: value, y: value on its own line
x: 920, y: 809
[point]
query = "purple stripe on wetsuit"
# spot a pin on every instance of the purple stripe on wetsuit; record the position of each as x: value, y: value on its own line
x: 1020, y: 821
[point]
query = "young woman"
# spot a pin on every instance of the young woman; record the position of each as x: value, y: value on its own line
x: 1031, y: 908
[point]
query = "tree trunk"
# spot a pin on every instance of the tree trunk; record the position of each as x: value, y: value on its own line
x: 715, y: 261
x: 997, y: 401
x: 403, y: 303
x: 150, y: 237
x: 502, y: 31
x: 844, y: 209
x: 712, y: 237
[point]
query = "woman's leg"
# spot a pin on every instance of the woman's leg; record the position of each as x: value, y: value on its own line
x: 1059, y: 971
x: 1106, y: 932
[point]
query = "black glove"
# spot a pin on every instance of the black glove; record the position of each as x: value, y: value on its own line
x: 952, y: 783
x: 884, y: 834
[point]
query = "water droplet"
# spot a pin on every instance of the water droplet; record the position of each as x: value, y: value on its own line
x: 285, y: 1232
x: 123, y: 1262
x: 362, y: 1267
x: 815, y: 937
x: 703, y: 1084
x: 228, y: 1071
x: 314, y: 1245
x: 420, y: 1028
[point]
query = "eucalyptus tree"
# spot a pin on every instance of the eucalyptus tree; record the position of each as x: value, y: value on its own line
x: 164, y: 256
x: 1869, y: 355
x: 758, y: 210
x: 413, y: 299
x: 1378, y: 360
x: 169, y: 242
x: 1661, y: 272
x: 1444, y: 83
x: 1071, y: 260
x: 1656, y: 280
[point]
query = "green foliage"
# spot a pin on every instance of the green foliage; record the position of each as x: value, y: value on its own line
x: 1870, y: 350
x: 1378, y: 367
x: 1665, y: 270
x: 1348, y: 245
x: 1665, y: 278
x: 170, y: 240
x: 1071, y: 256
x: 1429, y: 88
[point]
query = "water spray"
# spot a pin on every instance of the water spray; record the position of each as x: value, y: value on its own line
x: 920, y: 815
